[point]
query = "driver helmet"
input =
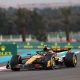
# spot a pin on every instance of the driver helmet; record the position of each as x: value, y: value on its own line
x: 46, y: 48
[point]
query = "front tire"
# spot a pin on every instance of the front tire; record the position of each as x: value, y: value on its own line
x: 15, y: 61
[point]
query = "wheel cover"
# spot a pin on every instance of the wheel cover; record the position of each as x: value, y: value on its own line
x: 74, y: 60
x: 52, y: 62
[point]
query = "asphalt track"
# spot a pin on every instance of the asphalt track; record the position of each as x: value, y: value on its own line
x: 59, y: 74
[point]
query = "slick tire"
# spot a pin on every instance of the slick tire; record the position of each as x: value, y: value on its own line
x: 15, y: 60
x: 70, y: 60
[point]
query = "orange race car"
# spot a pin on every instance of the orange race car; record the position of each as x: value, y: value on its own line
x: 45, y: 59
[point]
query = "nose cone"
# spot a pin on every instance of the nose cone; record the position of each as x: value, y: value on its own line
x: 32, y: 59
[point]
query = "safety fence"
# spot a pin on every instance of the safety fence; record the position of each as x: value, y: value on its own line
x: 10, y: 48
x: 27, y: 45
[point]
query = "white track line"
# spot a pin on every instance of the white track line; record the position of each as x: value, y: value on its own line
x: 3, y: 68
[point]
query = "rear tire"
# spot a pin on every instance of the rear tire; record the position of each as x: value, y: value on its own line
x: 70, y: 60
x: 15, y: 60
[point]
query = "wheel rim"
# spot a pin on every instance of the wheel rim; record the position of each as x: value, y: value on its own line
x: 74, y: 60
x: 53, y: 63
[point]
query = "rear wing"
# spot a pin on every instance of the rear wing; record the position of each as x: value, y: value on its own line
x: 60, y: 49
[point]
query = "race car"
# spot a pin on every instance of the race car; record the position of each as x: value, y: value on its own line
x: 48, y: 59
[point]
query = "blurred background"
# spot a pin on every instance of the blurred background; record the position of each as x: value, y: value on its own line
x: 29, y: 25
x: 47, y: 21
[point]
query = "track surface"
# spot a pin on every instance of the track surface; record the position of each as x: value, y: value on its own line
x: 59, y: 74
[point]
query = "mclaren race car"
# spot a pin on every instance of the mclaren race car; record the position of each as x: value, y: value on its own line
x: 45, y: 59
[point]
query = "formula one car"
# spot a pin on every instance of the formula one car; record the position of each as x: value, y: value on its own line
x: 43, y: 60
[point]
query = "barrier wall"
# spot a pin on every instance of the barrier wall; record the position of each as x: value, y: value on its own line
x: 8, y: 49
x: 42, y: 44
